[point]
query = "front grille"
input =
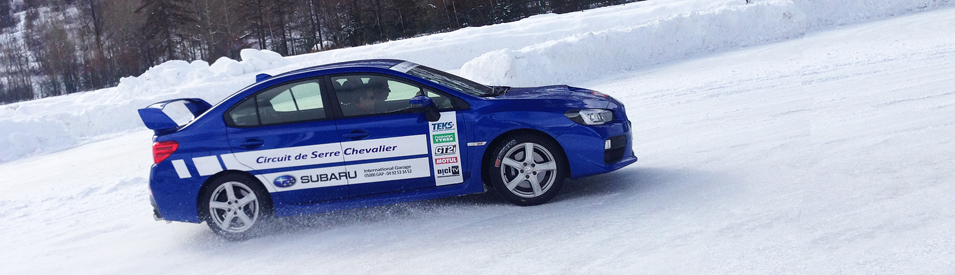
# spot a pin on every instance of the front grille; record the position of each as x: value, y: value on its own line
x: 617, y: 145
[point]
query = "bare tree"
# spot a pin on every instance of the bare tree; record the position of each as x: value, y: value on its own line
x: 55, y: 52
x: 18, y: 76
x: 6, y: 15
x: 165, y: 25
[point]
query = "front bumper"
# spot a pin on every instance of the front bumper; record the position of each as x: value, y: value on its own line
x: 588, y: 152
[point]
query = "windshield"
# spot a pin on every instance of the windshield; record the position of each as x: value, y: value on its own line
x: 451, y: 81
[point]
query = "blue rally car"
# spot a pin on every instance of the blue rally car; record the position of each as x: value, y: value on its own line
x: 373, y: 132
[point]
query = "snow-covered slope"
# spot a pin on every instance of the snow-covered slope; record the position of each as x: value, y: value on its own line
x: 830, y: 153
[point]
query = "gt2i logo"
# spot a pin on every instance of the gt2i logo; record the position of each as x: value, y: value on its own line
x: 449, y: 171
x: 445, y: 150
x: 444, y: 138
x: 442, y: 126
x: 447, y: 160
x: 284, y: 181
x: 329, y: 177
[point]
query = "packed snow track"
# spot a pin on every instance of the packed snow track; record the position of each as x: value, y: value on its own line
x: 831, y: 153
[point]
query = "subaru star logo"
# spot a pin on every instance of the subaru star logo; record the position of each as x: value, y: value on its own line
x: 284, y: 181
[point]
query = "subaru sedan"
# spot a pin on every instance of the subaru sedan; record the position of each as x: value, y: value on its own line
x: 373, y: 132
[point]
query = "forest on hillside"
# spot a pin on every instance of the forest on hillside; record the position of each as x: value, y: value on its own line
x: 58, y: 47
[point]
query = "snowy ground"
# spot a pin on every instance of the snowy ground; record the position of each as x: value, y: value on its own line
x: 830, y: 153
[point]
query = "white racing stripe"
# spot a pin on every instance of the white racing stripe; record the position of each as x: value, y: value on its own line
x: 207, y: 165
x: 181, y: 169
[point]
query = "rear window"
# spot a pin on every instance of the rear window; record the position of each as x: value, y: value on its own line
x: 300, y: 101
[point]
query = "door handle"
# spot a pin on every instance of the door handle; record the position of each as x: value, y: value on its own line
x: 356, y: 135
x: 251, y: 143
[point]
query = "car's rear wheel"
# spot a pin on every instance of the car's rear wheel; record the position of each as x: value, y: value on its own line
x: 235, y: 207
x: 528, y: 170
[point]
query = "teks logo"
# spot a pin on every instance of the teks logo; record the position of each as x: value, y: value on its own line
x: 442, y: 126
x: 442, y: 150
x: 448, y: 172
x: 284, y: 181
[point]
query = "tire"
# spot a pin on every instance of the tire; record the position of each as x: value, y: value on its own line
x: 527, y: 181
x: 235, y: 207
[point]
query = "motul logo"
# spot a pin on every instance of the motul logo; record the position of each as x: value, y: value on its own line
x: 446, y: 160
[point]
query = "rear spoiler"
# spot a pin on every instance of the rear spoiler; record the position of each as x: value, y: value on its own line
x: 158, y: 121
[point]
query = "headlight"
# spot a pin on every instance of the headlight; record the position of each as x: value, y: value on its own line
x: 590, y: 116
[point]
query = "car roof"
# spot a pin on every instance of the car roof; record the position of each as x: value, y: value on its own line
x: 369, y: 63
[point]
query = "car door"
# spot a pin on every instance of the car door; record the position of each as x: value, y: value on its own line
x: 388, y: 145
x: 285, y: 136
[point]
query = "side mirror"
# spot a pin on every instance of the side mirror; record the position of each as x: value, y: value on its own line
x: 427, y: 105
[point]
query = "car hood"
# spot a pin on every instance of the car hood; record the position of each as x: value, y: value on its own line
x: 582, y: 97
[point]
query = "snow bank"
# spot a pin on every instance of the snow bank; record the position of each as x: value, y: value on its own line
x: 549, y: 49
x: 57, y: 123
x: 735, y: 24
x: 591, y: 54
x: 823, y: 14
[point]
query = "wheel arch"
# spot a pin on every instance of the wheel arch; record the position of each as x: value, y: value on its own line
x: 489, y: 153
x: 204, y: 189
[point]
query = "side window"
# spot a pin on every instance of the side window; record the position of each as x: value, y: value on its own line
x: 294, y: 102
x: 375, y: 94
x: 442, y: 101
x: 244, y: 113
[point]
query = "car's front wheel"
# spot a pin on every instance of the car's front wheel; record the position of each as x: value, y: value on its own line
x: 235, y: 206
x: 527, y: 170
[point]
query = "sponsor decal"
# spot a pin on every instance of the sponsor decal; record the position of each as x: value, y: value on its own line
x: 261, y: 160
x: 443, y: 150
x: 442, y: 126
x: 348, y: 174
x: 329, y: 177
x: 332, y: 152
x: 450, y: 171
x: 391, y: 170
x: 384, y: 148
x: 284, y: 181
x: 404, y: 67
x: 388, y: 171
x: 444, y: 138
x: 316, y: 154
x: 359, y: 151
x: 445, y: 156
x: 447, y: 160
